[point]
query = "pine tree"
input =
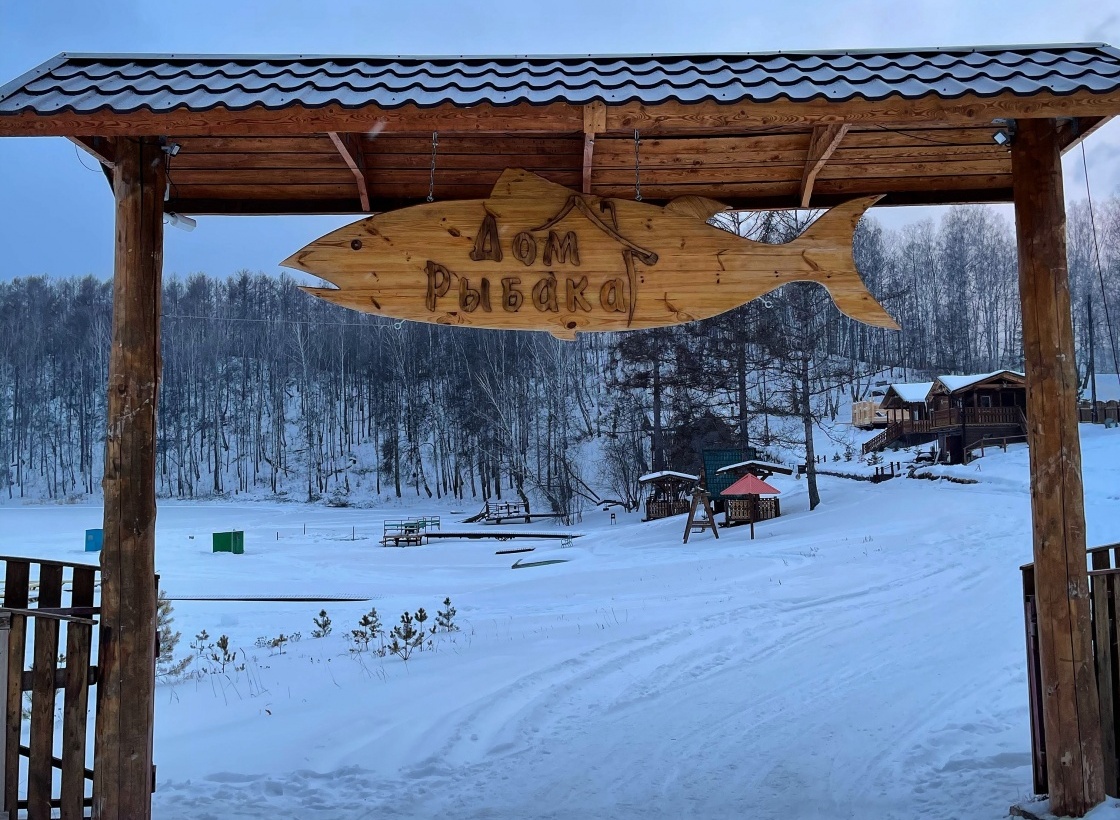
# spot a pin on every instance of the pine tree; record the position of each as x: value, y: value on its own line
x: 405, y: 637
x: 322, y: 625
x: 420, y: 617
x: 369, y: 628
x: 445, y: 618
x: 166, y: 665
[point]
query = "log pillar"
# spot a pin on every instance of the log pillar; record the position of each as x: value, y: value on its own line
x: 126, y: 686
x: 1072, y: 712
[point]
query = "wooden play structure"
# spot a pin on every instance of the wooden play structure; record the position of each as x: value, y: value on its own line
x: 700, y: 515
x: 668, y: 493
x: 664, y: 136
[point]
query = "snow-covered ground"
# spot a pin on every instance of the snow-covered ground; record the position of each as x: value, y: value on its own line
x: 862, y: 661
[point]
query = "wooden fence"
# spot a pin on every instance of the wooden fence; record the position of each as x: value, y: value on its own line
x: 1104, y: 599
x: 39, y: 780
x: 739, y: 510
x: 1107, y: 411
x: 665, y: 509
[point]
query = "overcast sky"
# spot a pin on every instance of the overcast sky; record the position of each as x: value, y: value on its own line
x: 56, y: 216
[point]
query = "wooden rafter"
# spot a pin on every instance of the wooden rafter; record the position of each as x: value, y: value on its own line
x: 594, y: 122
x: 825, y: 140
x: 101, y: 149
x: 350, y: 146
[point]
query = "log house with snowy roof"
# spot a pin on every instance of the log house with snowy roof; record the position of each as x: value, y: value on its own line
x: 957, y: 412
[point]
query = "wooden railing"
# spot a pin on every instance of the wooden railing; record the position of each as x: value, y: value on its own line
x: 1104, y: 586
x: 946, y: 420
x: 739, y: 510
x: 38, y: 626
x: 664, y: 509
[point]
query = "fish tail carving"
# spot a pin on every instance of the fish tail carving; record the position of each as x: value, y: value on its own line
x: 835, y: 228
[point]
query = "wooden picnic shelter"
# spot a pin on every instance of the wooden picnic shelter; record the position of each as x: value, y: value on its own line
x: 668, y: 493
x: 216, y: 134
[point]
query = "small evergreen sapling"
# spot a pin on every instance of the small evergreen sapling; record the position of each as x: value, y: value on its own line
x: 221, y: 654
x: 445, y: 618
x: 420, y: 617
x: 166, y: 665
x: 322, y: 625
x: 369, y: 628
x: 405, y: 637
x: 278, y: 642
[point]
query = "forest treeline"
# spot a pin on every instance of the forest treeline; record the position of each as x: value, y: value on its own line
x: 272, y: 392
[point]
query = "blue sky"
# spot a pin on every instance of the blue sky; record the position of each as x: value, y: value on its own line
x: 56, y: 216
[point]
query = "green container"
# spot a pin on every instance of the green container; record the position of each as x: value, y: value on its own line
x: 230, y: 542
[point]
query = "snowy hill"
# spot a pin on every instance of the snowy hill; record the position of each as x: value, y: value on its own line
x: 862, y: 660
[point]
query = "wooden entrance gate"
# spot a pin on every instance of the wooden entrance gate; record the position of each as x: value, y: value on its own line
x: 1104, y: 595
x: 46, y: 648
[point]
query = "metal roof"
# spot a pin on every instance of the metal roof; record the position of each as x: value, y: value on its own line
x: 122, y: 83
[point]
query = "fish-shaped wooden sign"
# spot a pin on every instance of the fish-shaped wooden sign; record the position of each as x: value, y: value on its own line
x: 539, y: 256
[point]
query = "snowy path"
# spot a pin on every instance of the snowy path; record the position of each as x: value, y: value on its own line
x: 865, y: 660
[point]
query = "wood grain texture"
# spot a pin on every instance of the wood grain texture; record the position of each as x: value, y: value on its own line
x: 561, y: 117
x: 123, y: 751
x: 825, y: 141
x: 40, y: 769
x: 17, y: 578
x: 537, y: 255
x: 79, y: 641
x: 1071, y: 707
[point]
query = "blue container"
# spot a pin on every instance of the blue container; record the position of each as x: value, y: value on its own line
x: 93, y: 540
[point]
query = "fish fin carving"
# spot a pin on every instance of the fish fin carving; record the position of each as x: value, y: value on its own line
x: 698, y: 207
x: 519, y: 183
x: 564, y: 334
x: 837, y: 227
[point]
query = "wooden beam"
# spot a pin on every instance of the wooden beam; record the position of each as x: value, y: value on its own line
x: 126, y: 690
x: 1077, y: 129
x: 594, y: 122
x: 101, y: 149
x: 563, y: 118
x: 1070, y: 706
x: 350, y: 146
x: 825, y: 140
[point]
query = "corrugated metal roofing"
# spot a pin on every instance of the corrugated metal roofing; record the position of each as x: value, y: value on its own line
x: 85, y: 83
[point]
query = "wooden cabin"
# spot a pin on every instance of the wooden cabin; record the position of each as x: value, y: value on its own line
x: 957, y: 412
x: 667, y: 493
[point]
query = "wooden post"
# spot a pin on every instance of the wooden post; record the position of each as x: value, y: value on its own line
x: 1072, y: 712
x: 126, y: 687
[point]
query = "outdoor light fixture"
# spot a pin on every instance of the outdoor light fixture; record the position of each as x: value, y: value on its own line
x: 183, y: 223
x: 1006, y: 132
x: 172, y: 149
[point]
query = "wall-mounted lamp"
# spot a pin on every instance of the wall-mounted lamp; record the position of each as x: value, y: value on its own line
x: 183, y: 223
x: 1005, y: 134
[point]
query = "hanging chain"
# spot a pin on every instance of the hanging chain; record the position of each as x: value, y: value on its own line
x: 432, y: 178
x: 637, y: 167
